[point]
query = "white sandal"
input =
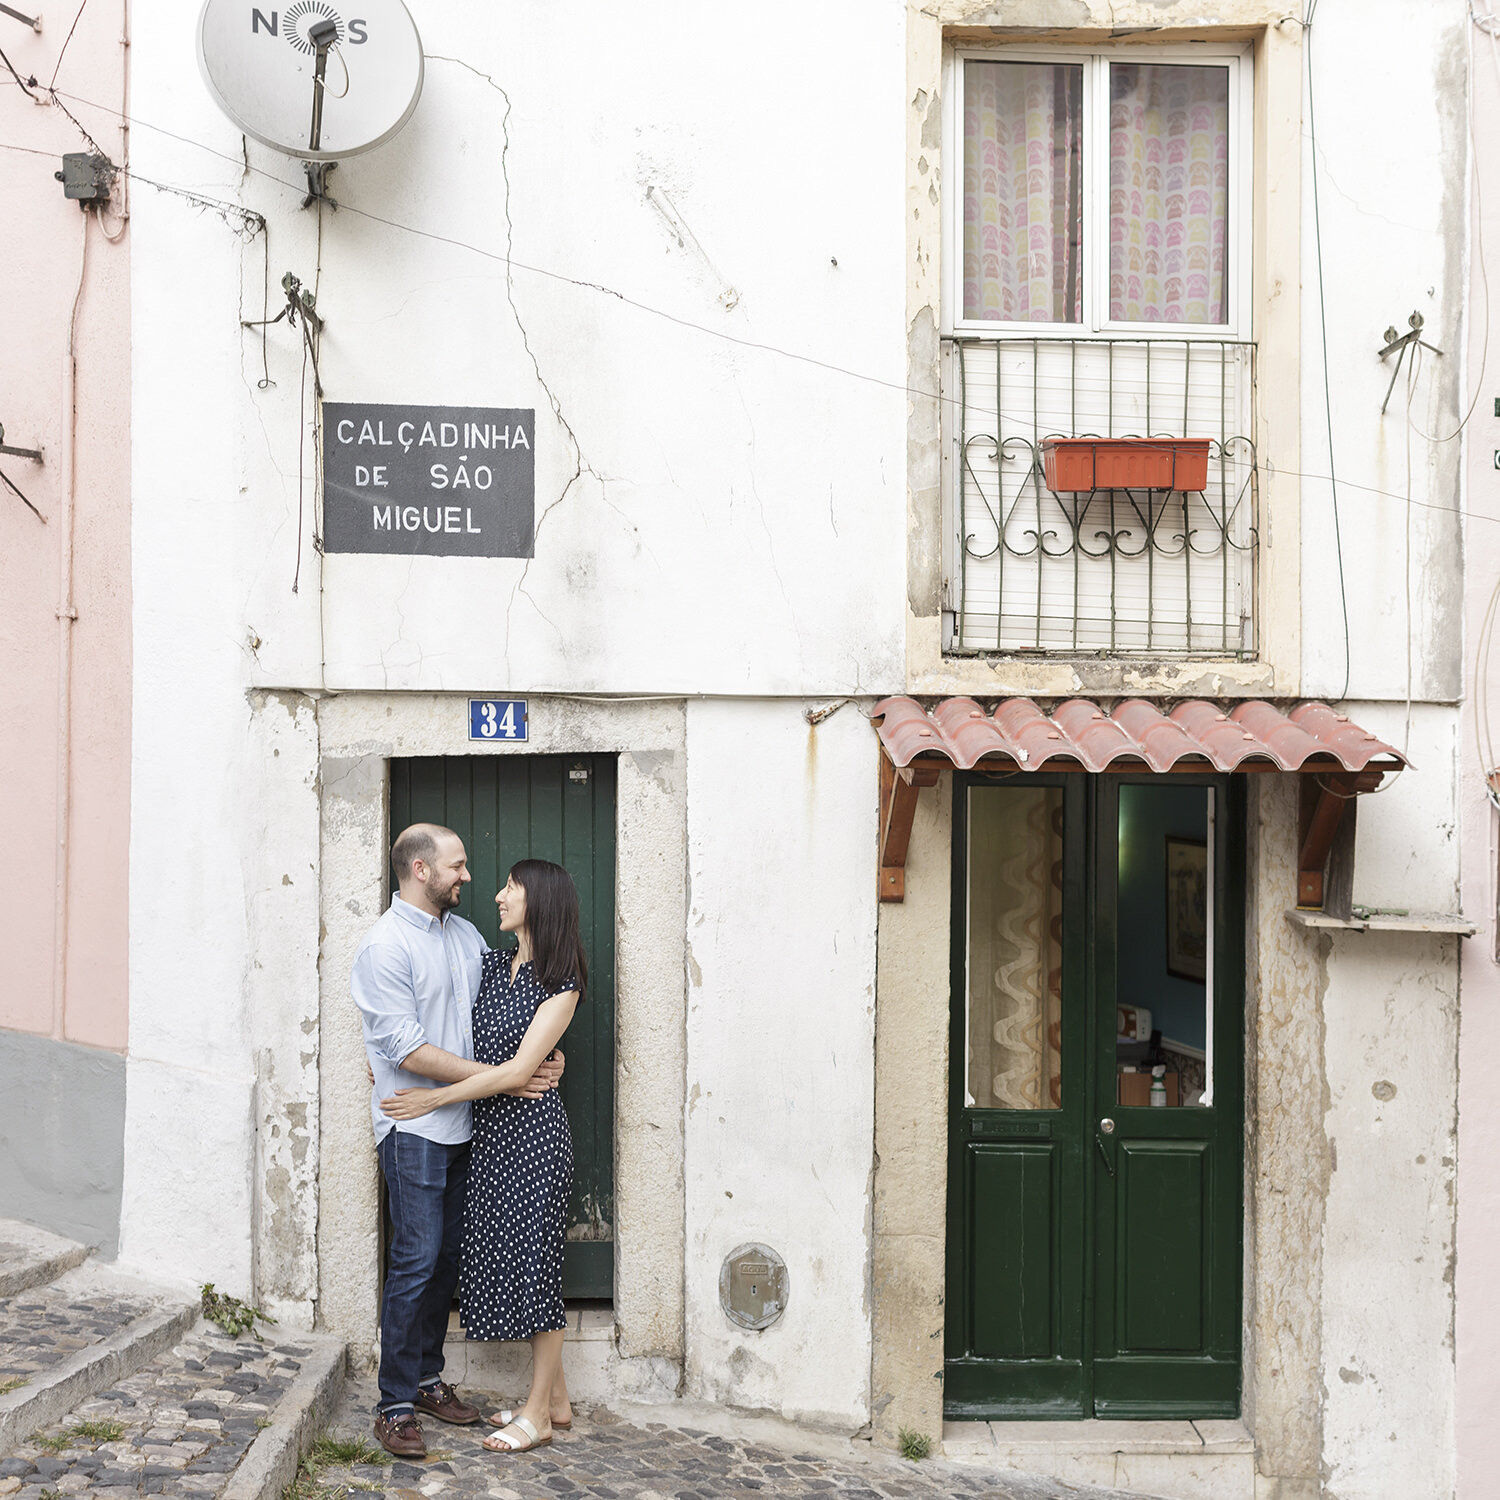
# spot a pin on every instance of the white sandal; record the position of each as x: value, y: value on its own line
x: 507, y: 1417
x: 534, y: 1440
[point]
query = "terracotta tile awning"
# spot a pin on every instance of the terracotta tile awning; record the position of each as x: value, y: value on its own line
x: 1135, y: 735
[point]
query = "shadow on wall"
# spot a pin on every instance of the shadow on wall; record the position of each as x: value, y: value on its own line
x: 62, y: 1138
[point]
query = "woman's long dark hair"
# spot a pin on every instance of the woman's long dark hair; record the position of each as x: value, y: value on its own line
x: 557, y: 957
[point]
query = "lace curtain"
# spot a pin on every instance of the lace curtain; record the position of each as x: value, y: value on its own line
x: 1168, y: 193
x: 1024, y: 221
x: 1015, y: 948
x: 1023, y: 162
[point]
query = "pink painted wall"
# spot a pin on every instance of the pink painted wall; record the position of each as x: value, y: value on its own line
x: 42, y: 250
x: 1477, y: 1330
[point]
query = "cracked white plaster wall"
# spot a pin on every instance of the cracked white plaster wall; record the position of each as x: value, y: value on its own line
x: 1385, y: 255
x: 780, y: 1060
x: 282, y: 863
x: 719, y: 494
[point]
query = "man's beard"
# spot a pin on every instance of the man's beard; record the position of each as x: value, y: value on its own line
x: 451, y: 897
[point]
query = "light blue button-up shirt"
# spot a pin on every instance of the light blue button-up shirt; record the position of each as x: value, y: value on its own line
x: 414, y: 980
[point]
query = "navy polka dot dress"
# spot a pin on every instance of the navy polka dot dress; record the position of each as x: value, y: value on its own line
x: 520, y: 1176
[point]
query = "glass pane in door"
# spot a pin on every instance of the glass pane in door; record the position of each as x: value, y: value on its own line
x: 1015, y: 952
x: 1164, y: 974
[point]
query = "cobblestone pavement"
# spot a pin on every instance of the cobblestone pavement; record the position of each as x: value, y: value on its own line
x: 607, y: 1457
x: 39, y: 1328
x: 178, y: 1426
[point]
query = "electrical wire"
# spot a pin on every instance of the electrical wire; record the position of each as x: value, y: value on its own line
x: 250, y: 223
x: 1412, y: 374
x: 11, y: 67
x: 534, y: 270
x: 254, y: 223
x: 1484, y: 743
x: 78, y: 15
x: 1312, y: 135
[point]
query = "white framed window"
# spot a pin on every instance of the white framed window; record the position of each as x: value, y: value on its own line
x: 1096, y: 286
x: 1099, y: 191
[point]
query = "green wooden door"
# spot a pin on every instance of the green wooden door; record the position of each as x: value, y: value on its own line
x: 558, y: 807
x: 1017, y: 1172
x: 1093, y: 1239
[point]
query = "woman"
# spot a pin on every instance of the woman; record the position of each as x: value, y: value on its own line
x: 521, y: 1170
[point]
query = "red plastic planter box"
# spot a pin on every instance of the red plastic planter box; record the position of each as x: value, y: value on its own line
x: 1071, y: 464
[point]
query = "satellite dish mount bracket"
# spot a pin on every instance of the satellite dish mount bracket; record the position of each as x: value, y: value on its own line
x: 317, y: 183
x: 322, y: 35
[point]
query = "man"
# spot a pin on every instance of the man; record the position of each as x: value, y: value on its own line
x: 414, y: 979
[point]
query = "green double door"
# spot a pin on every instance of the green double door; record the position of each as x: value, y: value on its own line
x: 558, y: 807
x: 1094, y: 1237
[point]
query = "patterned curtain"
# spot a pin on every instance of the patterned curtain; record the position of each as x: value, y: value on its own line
x: 1015, y: 948
x: 1169, y: 193
x: 1023, y: 192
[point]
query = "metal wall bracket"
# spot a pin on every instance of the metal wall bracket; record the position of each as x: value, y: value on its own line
x: 317, y: 183
x: 898, y: 807
x: 34, y: 454
x: 1399, y: 344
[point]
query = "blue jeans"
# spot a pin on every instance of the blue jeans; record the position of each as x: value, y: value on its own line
x: 426, y: 1183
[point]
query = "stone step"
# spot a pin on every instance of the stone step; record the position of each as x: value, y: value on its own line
x: 596, y: 1370
x: 1177, y: 1460
x: 62, y: 1342
x: 30, y: 1256
x: 210, y: 1418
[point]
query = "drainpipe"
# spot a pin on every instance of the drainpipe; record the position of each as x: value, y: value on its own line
x: 67, y: 613
x: 67, y: 610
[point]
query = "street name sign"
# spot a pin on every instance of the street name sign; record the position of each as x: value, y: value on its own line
x: 439, y: 481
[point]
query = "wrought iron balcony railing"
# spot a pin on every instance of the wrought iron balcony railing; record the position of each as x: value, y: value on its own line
x: 1130, y: 572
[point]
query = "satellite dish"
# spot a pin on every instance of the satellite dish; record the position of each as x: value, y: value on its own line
x: 317, y: 80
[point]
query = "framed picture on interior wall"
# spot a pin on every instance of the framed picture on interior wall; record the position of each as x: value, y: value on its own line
x: 1187, y: 909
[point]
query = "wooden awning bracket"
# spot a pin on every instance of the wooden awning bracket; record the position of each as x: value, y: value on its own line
x: 1325, y: 856
x: 898, y: 807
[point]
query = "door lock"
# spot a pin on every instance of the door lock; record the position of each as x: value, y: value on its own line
x: 1108, y: 1128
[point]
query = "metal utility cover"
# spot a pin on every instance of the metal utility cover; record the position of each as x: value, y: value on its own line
x: 753, y: 1286
x: 84, y: 176
x: 437, y: 481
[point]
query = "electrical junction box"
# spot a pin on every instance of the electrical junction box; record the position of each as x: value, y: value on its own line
x: 753, y: 1286
x: 85, y: 176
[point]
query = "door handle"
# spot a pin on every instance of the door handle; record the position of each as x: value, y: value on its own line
x: 1107, y: 1126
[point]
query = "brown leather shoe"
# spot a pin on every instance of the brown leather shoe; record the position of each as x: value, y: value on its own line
x: 441, y: 1401
x: 401, y: 1435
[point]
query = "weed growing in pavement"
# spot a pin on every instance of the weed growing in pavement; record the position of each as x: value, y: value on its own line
x: 101, y: 1431
x: 914, y: 1445
x: 329, y: 1452
x: 306, y: 1486
x: 12, y: 1383
x: 232, y: 1315
x: 52, y: 1442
